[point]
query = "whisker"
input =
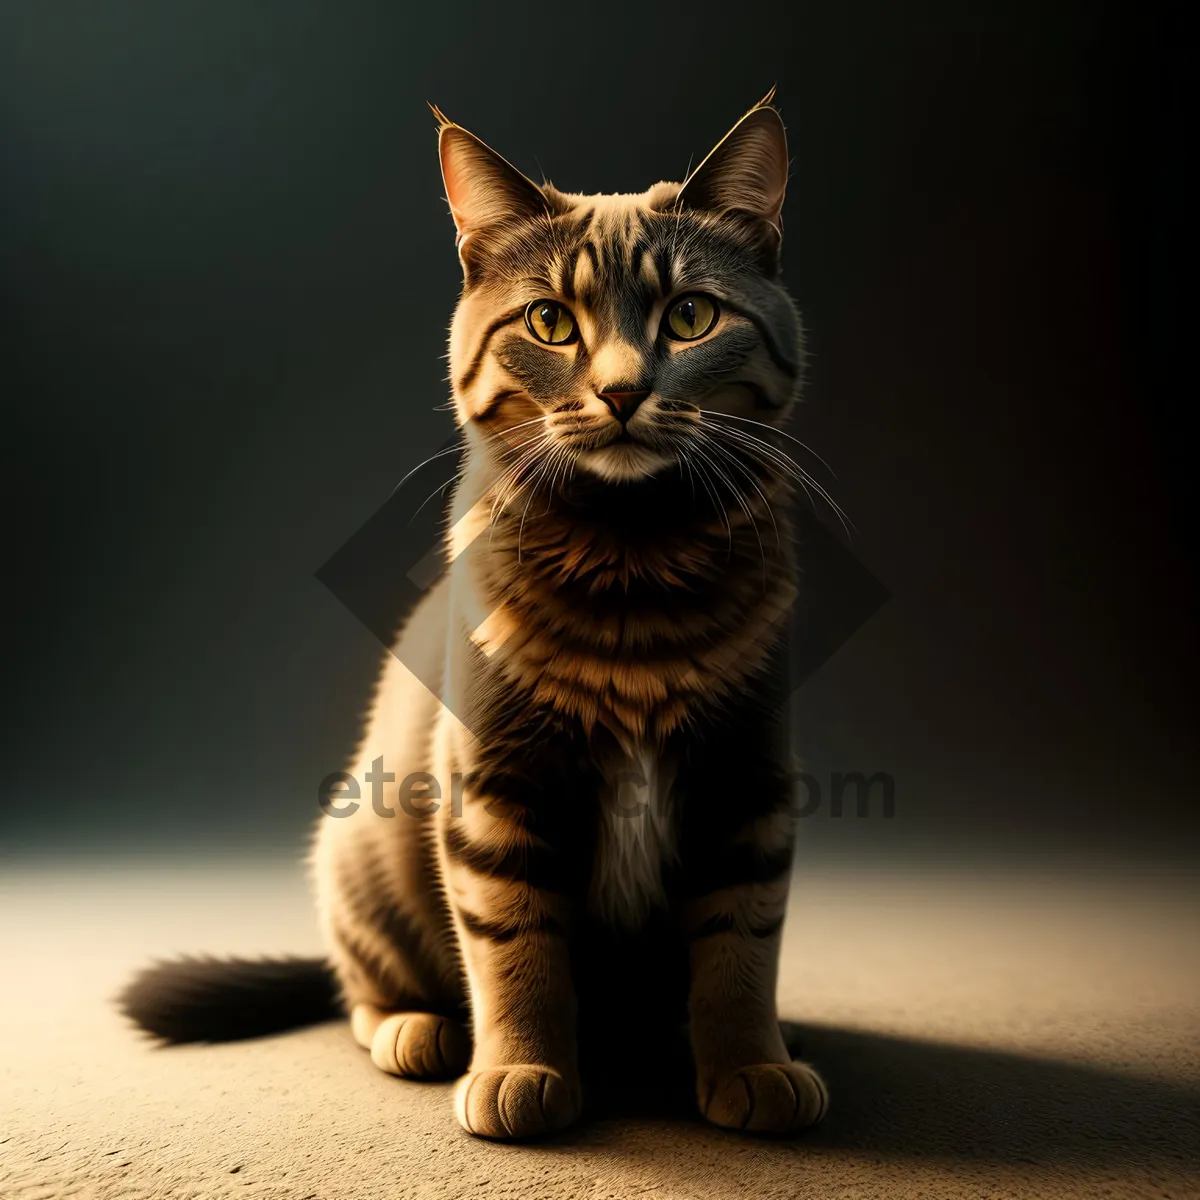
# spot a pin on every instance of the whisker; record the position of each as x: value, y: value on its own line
x: 773, y: 455
x: 788, y: 464
x: 513, y: 472
x: 562, y: 459
x: 498, y: 435
x: 741, y: 500
x: 511, y: 482
x: 507, y: 485
x: 436, y: 490
x: 543, y: 468
x: 754, y: 483
x: 440, y: 454
x: 706, y: 483
x: 457, y: 448
x: 782, y: 433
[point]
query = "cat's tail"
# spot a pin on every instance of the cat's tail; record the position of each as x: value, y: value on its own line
x: 222, y: 1000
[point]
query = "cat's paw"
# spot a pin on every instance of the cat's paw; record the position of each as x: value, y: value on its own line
x: 420, y: 1045
x: 516, y: 1102
x: 767, y: 1098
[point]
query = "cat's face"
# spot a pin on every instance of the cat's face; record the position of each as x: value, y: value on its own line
x: 608, y: 334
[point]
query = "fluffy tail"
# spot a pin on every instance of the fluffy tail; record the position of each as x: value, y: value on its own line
x: 222, y: 1000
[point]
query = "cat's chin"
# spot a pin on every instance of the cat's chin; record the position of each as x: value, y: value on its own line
x: 624, y: 462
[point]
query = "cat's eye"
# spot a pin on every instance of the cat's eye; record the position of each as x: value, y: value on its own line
x: 691, y: 318
x: 550, y: 322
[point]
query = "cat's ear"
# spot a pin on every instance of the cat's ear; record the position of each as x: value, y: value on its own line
x: 483, y: 189
x: 746, y: 172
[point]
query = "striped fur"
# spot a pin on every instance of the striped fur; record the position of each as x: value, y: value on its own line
x: 611, y: 634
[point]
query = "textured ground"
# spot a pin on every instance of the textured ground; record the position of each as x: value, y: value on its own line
x: 983, y: 1034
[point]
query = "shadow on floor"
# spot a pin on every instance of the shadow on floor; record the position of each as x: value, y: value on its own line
x: 900, y: 1097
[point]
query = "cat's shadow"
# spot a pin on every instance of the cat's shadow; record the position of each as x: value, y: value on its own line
x: 903, y: 1097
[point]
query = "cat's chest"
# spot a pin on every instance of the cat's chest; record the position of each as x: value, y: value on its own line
x: 636, y: 838
x: 638, y: 660
x: 640, y: 634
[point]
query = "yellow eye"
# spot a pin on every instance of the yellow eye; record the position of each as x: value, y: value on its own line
x: 550, y: 322
x: 691, y: 317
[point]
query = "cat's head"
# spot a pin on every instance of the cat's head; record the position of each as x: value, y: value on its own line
x: 617, y: 334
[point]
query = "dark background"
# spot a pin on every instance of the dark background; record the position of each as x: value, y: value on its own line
x: 228, y: 271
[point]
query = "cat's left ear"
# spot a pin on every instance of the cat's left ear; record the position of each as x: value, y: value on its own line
x: 483, y: 189
x: 746, y: 172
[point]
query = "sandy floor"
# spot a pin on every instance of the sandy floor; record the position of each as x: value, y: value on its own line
x: 983, y: 1035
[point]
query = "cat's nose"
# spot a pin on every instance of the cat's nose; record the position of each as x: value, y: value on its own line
x: 623, y: 400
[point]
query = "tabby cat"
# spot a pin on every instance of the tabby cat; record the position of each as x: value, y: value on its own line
x: 610, y: 635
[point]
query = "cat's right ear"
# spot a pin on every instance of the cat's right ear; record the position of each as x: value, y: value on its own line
x: 746, y: 173
x: 483, y: 189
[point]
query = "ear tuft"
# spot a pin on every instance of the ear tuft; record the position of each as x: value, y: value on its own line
x: 746, y: 171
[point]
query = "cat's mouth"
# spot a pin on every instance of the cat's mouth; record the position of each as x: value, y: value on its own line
x: 624, y: 457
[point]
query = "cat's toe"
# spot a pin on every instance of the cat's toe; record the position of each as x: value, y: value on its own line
x: 516, y: 1102
x: 420, y: 1046
x: 767, y: 1098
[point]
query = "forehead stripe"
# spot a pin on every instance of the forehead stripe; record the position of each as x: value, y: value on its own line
x: 662, y: 262
x: 567, y: 273
x: 636, y: 251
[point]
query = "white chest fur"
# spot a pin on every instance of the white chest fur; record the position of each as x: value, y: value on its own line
x: 635, y: 840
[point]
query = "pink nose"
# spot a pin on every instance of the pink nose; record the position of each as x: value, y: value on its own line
x: 623, y: 402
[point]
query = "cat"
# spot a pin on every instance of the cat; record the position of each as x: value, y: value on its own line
x: 609, y: 646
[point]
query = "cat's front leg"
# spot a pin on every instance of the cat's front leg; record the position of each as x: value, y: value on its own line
x: 508, y: 888
x: 733, y: 917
